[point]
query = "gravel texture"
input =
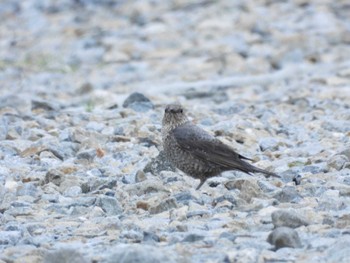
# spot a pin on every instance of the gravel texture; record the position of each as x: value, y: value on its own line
x: 83, y: 85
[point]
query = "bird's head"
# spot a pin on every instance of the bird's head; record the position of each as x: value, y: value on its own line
x: 174, y: 115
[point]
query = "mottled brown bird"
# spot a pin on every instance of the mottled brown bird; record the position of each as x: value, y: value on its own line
x: 196, y: 152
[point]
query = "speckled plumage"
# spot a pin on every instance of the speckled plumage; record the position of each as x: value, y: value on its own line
x: 196, y: 152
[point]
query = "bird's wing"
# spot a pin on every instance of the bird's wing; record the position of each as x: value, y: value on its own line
x: 202, y: 145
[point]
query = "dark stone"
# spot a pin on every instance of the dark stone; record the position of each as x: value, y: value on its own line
x: 150, y: 237
x: 89, y: 154
x: 158, y: 164
x: 45, y: 105
x: 288, y: 195
x: 284, y: 237
x: 138, y: 102
x: 54, y: 176
x: 193, y: 238
x: 297, y: 179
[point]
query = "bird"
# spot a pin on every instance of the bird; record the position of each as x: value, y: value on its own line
x: 197, y: 153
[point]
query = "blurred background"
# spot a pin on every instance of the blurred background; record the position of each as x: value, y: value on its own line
x: 80, y: 46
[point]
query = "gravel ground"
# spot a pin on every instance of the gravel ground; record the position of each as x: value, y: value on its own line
x: 83, y: 85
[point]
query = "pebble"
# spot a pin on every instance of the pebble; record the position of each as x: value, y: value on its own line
x: 284, y: 237
x: 165, y: 205
x: 337, y: 162
x: 109, y: 205
x: 138, y: 102
x: 288, y: 218
x: 64, y: 255
x: 138, y: 253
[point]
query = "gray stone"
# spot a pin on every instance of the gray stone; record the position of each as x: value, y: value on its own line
x: 193, y: 238
x: 230, y: 108
x: 336, y: 126
x: 269, y: 143
x: 3, y: 128
x: 158, y: 164
x: 150, y: 237
x: 88, y: 155
x: 165, y: 205
x: 10, y: 237
x: 54, y: 176
x: 248, y: 188
x: 337, y: 162
x: 139, y: 254
x: 140, y: 176
x: 110, y: 205
x: 288, y: 194
x: 72, y: 191
x: 228, y: 235
x: 29, y: 188
x: 288, y: 218
x: 284, y: 237
x: 346, y: 152
x: 65, y: 255
x: 186, y: 197
x: 45, y: 105
x: 95, y: 126
x: 338, y: 252
x: 138, y: 102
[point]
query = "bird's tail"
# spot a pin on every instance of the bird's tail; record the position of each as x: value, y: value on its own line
x: 266, y: 173
x: 254, y: 169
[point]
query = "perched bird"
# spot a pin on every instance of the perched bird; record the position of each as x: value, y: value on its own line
x: 196, y: 152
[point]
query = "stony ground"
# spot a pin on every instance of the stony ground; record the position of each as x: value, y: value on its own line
x: 82, y: 175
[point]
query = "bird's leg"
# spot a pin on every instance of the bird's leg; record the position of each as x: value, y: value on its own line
x: 201, y: 183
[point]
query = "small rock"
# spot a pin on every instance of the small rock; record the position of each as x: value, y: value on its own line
x: 140, y: 176
x: 72, y: 191
x: 45, y: 105
x: 297, y: 179
x: 158, y: 164
x: 339, y: 252
x: 284, y: 237
x: 54, y: 176
x: 89, y: 154
x: 288, y: 194
x: 337, y: 162
x: 346, y: 152
x: 228, y: 235
x: 10, y: 237
x: 269, y: 143
x: 150, y: 237
x: 27, y: 189
x: 109, y: 205
x: 288, y: 218
x: 343, y: 222
x: 95, y: 126
x: 185, y: 197
x: 138, y: 102
x: 138, y: 253
x: 248, y: 188
x: 146, y: 187
x: 165, y: 205
x: 193, y: 238
x: 65, y: 255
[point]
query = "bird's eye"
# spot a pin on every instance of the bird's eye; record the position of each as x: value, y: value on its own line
x: 180, y: 110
